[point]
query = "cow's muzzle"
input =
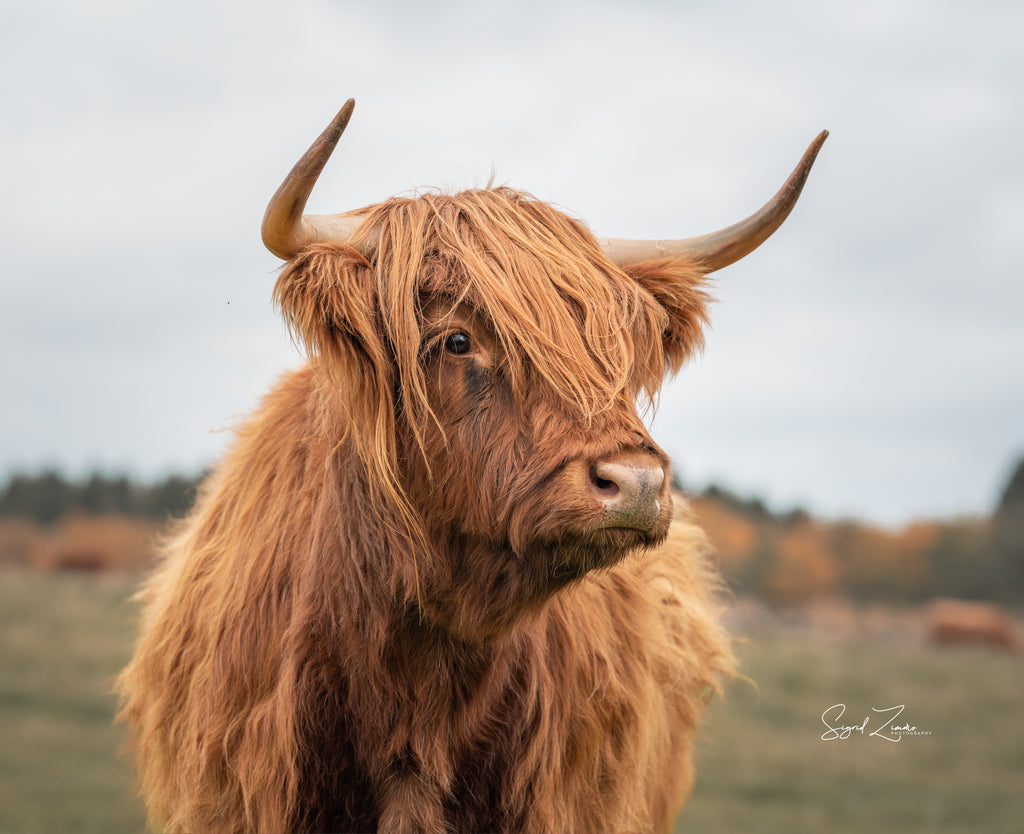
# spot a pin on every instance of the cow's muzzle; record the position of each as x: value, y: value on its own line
x: 632, y: 489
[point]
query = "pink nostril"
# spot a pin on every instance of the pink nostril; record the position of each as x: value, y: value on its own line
x: 606, y: 488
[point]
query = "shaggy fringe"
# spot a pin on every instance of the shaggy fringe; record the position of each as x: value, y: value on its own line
x: 561, y: 310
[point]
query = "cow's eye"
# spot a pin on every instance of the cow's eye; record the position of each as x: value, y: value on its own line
x: 457, y: 343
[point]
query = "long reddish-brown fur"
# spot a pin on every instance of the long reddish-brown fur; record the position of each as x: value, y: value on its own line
x: 387, y: 611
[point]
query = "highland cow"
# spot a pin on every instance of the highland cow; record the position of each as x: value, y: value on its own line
x: 957, y: 622
x: 436, y: 585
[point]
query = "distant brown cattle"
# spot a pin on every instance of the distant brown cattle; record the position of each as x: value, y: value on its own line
x: 86, y: 561
x: 436, y: 585
x: 958, y: 622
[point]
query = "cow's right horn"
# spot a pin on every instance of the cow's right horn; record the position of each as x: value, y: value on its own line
x: 286, y: 230
x: 718, y: 249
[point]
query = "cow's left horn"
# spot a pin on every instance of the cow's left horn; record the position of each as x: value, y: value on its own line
x: 286, y: 230
x: 718, y: 249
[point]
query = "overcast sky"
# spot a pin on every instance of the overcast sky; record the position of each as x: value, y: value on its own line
x: 868, y: 360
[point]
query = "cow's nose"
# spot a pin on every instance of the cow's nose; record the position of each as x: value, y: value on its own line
x: 630, y: 486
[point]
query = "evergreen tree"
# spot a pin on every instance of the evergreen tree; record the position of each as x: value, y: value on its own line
x: 1006, y: 545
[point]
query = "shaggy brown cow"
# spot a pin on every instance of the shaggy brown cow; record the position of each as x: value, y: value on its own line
x: 960, y: 622
x: 436, y: 586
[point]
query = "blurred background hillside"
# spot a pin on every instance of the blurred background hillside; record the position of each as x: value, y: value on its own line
x: 783, y: 558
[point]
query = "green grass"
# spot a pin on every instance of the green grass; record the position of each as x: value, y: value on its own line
x: 762, y: 765
x: 62, y: 639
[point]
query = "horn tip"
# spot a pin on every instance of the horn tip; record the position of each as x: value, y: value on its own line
x: 340, y: 122
x: 811, y: 153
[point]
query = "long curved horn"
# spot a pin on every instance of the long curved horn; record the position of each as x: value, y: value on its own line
x: 286, y: 230
x: 718, y: 249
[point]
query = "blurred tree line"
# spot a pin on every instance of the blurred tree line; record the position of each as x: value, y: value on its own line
x: 785, y: 558
x: 792, y: 558
x: 49, y: 496
x: 1007, y: 541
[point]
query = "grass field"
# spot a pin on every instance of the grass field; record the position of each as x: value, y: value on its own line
x: 62, y: 639
x: 765, y: 768
x: 763, y: 764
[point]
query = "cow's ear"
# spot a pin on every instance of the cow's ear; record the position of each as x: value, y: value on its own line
x: 328, y: 297
x: 679, y: 286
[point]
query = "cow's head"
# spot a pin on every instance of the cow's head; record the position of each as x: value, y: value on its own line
x: 494, y: 359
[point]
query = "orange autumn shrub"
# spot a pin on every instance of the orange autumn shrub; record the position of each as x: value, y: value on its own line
x: 735, y: 538
x: 803, y: 566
